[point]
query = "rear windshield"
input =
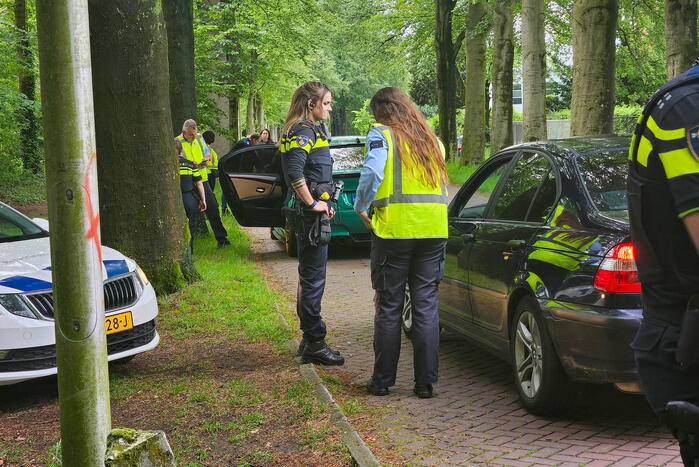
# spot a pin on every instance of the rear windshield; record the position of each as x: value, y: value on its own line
x: 14, y: 227
x: 605, y: 174
x: 351, y: 157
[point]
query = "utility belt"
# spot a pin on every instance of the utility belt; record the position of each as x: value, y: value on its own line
x: 313, y: 227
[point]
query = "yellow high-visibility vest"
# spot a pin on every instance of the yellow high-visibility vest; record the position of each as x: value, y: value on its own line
x: 404, y: 206
x: 194, y: 151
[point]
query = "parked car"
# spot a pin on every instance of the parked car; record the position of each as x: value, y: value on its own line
x: 27, y: 340
x: 540, y: 266
x: 255, y: 184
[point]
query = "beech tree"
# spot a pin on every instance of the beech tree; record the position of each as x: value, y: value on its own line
x: 29, y: 132
x: 446, y: 73
x: 141, y: 206
x: 533, y: 71
x: 477, y: 28
x: 503, y: 58
x: 680, y: 35
x: 179, y: 21
x: 594, y: 32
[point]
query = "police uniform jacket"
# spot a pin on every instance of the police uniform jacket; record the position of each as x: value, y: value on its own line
x: 306, y: 156
x: 664, y: 188
x: 189, y: 175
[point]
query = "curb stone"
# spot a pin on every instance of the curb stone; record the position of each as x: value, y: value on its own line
x: 360, y: 452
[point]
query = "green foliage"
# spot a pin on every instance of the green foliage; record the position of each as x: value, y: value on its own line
x: 363, y: 118
x: 12, y: 102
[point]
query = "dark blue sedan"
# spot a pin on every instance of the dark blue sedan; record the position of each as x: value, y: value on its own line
x: 540, y: 266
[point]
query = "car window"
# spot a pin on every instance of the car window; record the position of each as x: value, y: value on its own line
x: 14, y: 227
x: 262, y: 160
x: 545, y: 198
x: 473, y: 206
x: 605, y: 175
x: 521, y: 187
x: 347, y: 157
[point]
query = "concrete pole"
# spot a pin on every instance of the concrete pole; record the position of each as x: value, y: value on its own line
x: 76, y: 255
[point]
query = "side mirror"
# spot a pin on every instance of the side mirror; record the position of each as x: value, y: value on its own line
x: 43, y: 223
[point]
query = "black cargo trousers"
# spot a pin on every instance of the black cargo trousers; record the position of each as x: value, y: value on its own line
x: 419, y: 263
x: 662, y: 378
x: 213, y: 215
x: 313, y: 261
x: 191, y: 208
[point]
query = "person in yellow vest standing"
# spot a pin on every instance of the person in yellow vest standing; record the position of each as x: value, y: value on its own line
x: 196, y: 150
x: 404, y: 180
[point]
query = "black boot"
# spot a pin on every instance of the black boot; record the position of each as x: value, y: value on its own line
x: 304, y: 343
x: 319, y: 352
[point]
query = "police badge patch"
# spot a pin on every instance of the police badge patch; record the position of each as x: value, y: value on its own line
x: 301, y: 141
x: 693, y: 141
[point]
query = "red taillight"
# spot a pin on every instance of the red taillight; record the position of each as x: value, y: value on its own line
x: 458, y: 147
x: 618, y: 272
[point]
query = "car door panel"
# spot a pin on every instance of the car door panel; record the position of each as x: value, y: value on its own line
x: 253, y: 183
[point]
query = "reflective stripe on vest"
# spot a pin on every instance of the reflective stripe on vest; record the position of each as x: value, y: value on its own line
x: 404, y: 206
x: 194, y: 152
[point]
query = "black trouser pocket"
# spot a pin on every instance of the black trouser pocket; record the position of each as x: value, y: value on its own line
x: 378, y: 267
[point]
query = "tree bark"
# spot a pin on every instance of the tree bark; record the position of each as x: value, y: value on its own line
x: 179, y: 22
x: 234, y: 118
x: 446, y: 75
x: 503, y: 60
x: 473, y: 142
x: 594, y: 32
x: 259, y: 113
x: 250, y: 112
x: 29, y: 132
x: 533, y: 71
x: 140, y: 200
x: 680, y: 35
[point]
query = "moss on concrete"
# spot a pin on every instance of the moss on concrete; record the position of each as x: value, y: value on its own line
x: 135, y: 448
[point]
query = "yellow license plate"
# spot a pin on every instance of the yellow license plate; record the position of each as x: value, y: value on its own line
x: 119, y: 322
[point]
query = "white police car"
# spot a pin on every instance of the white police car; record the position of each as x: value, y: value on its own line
x: 27, y: 340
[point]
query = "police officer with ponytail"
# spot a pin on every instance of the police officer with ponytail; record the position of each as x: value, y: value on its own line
x: 307, y: 166
x: 663, y: 195
x: 404, y: 182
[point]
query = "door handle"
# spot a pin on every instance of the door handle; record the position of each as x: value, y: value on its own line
x: 468, y: 237
x: 260, y: 189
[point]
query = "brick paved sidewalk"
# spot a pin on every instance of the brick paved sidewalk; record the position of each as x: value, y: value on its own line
x: 475, y: 418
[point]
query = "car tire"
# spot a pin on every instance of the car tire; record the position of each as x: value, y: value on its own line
x: 406, y: 318
x: 541, y: 382
x: 290, y: 240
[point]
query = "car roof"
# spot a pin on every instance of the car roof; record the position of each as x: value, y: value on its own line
x: 579, y: 145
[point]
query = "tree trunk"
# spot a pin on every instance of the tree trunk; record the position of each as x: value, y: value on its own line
x: 680, y: 35
x: 259, y: 113
x: 446, y: 75
x: 503, y: 60
x: 179, y: 21
x: 234, y: 118
x: 594, y: 32
x: 29, y: 132
x: 533, y: 71
x: 473, y: 142
x: 250, y: 113
x: 140, y: 200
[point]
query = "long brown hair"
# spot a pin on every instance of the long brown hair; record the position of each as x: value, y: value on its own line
x: 299, y: 109
x: 392, y: 107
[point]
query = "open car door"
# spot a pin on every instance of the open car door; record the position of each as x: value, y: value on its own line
x: 253, y: 183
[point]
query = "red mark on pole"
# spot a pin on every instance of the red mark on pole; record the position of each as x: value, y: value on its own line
x: 93, y: 217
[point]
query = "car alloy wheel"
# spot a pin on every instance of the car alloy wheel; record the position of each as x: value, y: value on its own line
x: 542, y: 384
x: 290, y: 240
x: 407, y: 315
x: 528, y: 361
